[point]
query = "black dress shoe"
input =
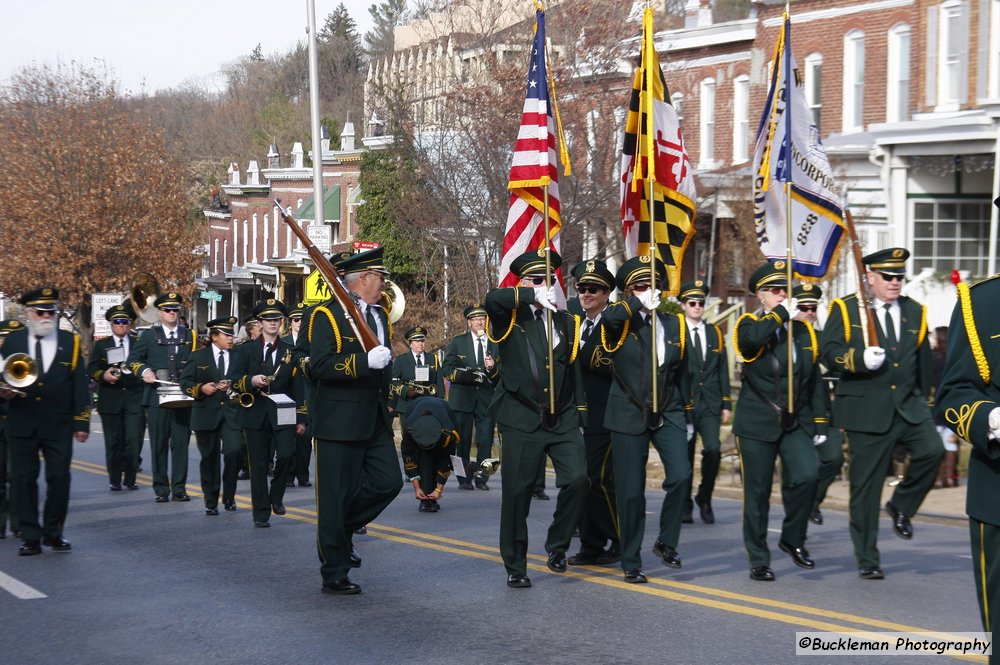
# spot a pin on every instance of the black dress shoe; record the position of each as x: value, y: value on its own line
x: 344, y: 587
x: 686, y: 517
x: 582, y: 558
x: 705, y: 510
x: 557, y: 562
x: 355, y: 558
x: 872, y: 573
x: 181, y: 497
x: 635, y: 577
x: 816, y: 517
x: 261, y: 524
x: 211, y: 511
x: 611, y: 555
x: 361, y: 530
x: 762, y: 574
x: 305, y: 483
x: 465, y: 485
x: 900, y: 522
x: 425, y: 506
x: 540, y: 495
x: 435, y: 506
x: 30, y: 548
x: 669, y: 554
x: 518, y: 581
x: 800, y: 555
x: 229, y: 505
x: 58, y: 544
x: 289, y: 483
x: 132, y: 486
x: 278, y: 509
x: 243, y: 475
x: 162, y: 498
x: 116, y: 488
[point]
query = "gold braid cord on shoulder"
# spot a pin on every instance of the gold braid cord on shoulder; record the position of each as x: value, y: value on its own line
x: 718, y: 336
x: 76, y: 352
x: 965, y: 301
x: 513, y: 320
x: 813, y: 344
x: 837, y: 302
x: 575, y: 348
x: 333, y: 324
x: 736, y: 339
x: 922, y: 334
x: 604, y: 335
x: 194, y: 341
x: 683, y: 326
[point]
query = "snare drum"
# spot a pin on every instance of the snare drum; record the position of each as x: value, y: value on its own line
x: 171, y: 397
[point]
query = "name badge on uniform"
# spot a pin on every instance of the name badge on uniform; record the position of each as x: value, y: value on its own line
x: 116, y: 355
x: 286, y: 408
x: 422, y: 374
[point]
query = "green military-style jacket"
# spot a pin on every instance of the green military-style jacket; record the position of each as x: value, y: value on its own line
x: 123, y: 396
x: 970, y: 390
x: 348, y: 398
x: 595, y: 368
x: 624, y: 339
x: 404, y: 369
x: 905, y: 379
x: 151, y: 351
x: 465, y: 395
x: 246, y: 361
x: 764, y: 394
x: 709, y: 379
x: 522, y: 396
x: 208, y: 411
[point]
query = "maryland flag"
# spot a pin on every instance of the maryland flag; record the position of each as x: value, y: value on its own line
x: 652, y: 128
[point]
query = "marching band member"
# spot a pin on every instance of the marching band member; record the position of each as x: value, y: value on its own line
x: 303, y: 442
x: 429, y: 439
x: 414, y: 374
x: 7, y: 513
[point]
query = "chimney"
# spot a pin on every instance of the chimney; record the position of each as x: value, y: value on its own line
x: 692, y: 8
x: 705, y: 13
x: 234, y: 173
x: 253, y: 173
x: 347, y: 136
x: 273, y: 159
x: 324, y: 139
x: 375, y: 126
x: 297, y: 156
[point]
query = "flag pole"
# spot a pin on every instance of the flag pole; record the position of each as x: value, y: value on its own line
x: 646, y: 135
x: 786, y: 63
x: 548, y: 312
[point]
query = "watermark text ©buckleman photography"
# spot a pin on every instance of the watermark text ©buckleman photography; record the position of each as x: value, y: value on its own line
x: 893, y: 644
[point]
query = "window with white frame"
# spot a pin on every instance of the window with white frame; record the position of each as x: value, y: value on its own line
x: 953, y: 55
x: 950, y: 235
x: 854, y: 81
x: 706, y: 151
x: 898, y: 90
x: 814, y: 85
x: 741, y: 118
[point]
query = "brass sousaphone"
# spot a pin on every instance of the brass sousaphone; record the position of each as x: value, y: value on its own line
x: 19, y: 371
x: 144, y: 292
x: 393, y: 301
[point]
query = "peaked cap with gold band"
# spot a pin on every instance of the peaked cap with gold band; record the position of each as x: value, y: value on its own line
x: 533, y: 263
x: 9, y: 326
x: 593, y: 271
x: 225, y: 324
x: 891, y: 261
x: 170, y: 300
x: 696, y: 290
x: 45, y: 299
x: 770, y: 274
x: 636, y: 270
x: 415, y: 334
x: 269, y: 309
x: 808, y: 294
x: 368, y: 261
x: 472, y: 311
x: 298, y: 310
x: 123, y: 311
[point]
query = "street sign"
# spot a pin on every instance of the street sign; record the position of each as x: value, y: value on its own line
x: 100, y: 304
x: 316, y: 289
x: 211, y: 295
x: 321, y: 236
x: 363, y: 245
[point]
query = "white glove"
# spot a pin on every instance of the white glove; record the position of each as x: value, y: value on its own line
x: 690, y: 431
x: 545, y: 296
x: 874, y: 357
x: 650, y: 299
x: 994, y: 423
x: 379, y: 357
x: 819, y: 439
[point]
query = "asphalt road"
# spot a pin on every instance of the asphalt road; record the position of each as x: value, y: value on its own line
x: 164, y: 583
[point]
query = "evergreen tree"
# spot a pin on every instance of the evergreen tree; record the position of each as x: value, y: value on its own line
x: 386, y: 15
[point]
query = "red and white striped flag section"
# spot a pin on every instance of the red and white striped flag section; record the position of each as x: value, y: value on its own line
x: 652, y: 128
x: 534, y: 167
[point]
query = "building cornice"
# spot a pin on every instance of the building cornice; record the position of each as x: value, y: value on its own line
x: 837, y: 12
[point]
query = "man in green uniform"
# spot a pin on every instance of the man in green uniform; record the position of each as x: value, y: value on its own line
x: 303, y: 442
x: 766, y: 428
x: 53, y: 414
x: 529, y: 427
x: 7, y: 513
x: 414, y: 374
x: 708, y: 376
x: 429, y: 438
x: 883, y: 398
x: 119, y: 399
x: 599, y: 544
x: 628, y: 335
x: 264, y: 374
x: 160, y: 354
x: 470, y: 367
x: 213, y: 415
x: 357, y: 470
x: 969, y: 401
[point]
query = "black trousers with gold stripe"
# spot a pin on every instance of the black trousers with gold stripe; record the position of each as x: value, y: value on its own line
x: 985, y: 541
x: 599, y: 524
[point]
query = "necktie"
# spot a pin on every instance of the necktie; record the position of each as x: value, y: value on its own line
x: 588, y: 328
x: 699, y: 354
x: 269, y: 356
x: 479, y: 352
x: 420, y: 360
x: 222, y: 363
x: 121, y: 343
x: 370, y: 318
x: 172, y: 336
x: 38, y: 353
x: 890, y: 327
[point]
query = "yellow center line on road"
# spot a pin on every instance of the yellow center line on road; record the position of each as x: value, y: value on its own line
x: 677, y: 591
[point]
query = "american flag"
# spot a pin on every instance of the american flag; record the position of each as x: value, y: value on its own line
x: 534, y: 167
x: 652, y: 128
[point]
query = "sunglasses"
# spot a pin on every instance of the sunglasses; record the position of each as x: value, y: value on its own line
x: 121, y: 322
x: 891, y: 278
x: 775, y: 289
x: 537, y: 281
x: 590, y: 289
x: 696, y: 303
x: 807, y: 308
x: 639, y: 287
x: 295, y: 319
x: 44, y: 312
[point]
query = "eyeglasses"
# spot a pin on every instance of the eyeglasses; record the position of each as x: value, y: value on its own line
x: 696, y: 303
x: 537, y: 281
x: 639, y: 287
x: 891, y: 278
x: 589, y: 289
x: 121, y: 322
x: 807, y: 308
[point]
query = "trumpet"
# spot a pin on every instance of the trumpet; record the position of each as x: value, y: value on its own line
x: 245, y: 400
x: 118, y: 371
x: 414, y: 389
x: 19, y: 371
x: 488, y: 467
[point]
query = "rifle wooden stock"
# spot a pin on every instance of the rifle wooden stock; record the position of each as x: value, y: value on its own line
x: 368, y: 339
x: 864, y: 291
